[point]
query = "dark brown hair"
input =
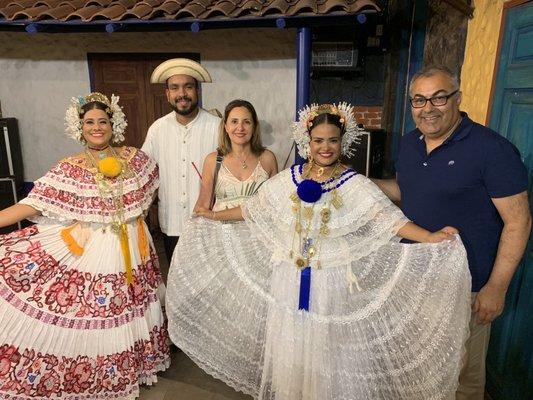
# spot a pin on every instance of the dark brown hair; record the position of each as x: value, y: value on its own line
x: 327, y: 118
x: 95, y: 105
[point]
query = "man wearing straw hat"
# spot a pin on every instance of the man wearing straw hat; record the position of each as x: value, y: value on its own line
x: 176, y: 141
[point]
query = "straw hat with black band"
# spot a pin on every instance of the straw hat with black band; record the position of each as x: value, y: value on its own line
x: 179, y: 66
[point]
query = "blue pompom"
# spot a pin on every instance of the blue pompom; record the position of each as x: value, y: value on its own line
x: 309, y: 191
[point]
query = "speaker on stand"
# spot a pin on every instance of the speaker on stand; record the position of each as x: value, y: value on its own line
x: 11, y: 173
x: 368, y: 154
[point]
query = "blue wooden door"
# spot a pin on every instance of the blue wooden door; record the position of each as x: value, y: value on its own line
x: 510, y: 357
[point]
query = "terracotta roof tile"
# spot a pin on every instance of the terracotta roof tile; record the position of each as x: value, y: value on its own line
x: 23, y: 3
x: 77, y: 4
x: 222, y: 8
x: 205, y: 3
x: 126, y: 3
x: 113, y: 12
x: 334, y: 5
x: 49, y: 3
x: 117, y: 10
x: 247, y: 7
x: 58, y: 13
x: 153, y: 3
x: 360, y: 4
x: 101, y: 3
x: 303, y: 6
x: 84, y: 13
x: 166, y: 9
x: 140, y: 11
x: 190, y: 10
x: 9, y: 11
x: 30, y: 13
x: 275, y: 7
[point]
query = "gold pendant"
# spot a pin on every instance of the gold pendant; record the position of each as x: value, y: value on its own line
x: 244, y: 166
x: 300, y: 263
x: 115, y: 227
x: 294, y: 197
x: 325, y: 214
x: 324, y: 230
x: 298, y: 227
x: 336, y: 199
x: 319, y: 172
x: 308, y: 213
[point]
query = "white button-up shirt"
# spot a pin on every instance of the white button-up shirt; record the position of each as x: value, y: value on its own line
x: 174, y: 147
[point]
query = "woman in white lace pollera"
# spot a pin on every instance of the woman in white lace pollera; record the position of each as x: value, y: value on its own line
x: 313, y: 297
x: 243, y: 163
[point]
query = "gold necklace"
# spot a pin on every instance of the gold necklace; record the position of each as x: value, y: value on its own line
x: 321, y: 169
x: 307, y: 246
x: 243, y: 162
x: 101, y: 151
x: 118, y: 224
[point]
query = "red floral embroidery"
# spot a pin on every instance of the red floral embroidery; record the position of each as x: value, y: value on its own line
x: 76, y: 195
x: 9, y: 356
x: 34, y: 374
x: 43, y: 282
x: 67, y: 290
x: 78, y: 376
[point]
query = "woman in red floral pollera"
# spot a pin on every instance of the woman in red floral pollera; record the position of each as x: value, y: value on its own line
x: 80, y: 314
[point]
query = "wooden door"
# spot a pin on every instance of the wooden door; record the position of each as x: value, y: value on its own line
x: 510, y: 357
x: 128, y: 75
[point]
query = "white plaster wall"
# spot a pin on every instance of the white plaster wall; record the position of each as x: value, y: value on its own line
x: 40, y: 73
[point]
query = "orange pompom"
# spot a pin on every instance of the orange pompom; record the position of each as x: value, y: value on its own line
x: 110, y: 167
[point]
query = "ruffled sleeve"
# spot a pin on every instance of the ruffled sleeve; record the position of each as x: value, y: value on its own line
x: 69, y: 191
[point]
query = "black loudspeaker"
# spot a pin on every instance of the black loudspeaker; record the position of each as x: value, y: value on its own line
x: 369, y: 153
x: 10, y: 193
x: 10, y: 150
x: 11, y: 173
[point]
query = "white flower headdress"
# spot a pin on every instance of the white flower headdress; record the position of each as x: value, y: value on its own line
x: 306, y: 116
x: 73, y: 121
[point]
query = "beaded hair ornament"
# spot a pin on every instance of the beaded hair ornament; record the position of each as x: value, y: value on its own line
x: 306, y: 116
x: 73, y: 118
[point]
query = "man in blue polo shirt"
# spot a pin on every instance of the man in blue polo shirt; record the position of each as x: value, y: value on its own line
x: 453, y: 171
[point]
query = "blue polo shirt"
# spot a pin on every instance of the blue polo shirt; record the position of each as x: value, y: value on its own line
x: 453, y: 185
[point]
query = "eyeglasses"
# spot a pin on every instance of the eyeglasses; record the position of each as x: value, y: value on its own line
x: 420, y: 101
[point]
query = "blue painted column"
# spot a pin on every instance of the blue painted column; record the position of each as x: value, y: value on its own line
x: 303, y: 73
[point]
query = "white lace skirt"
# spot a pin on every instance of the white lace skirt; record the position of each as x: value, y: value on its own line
x: 70, y: 326
x: 233, y: 308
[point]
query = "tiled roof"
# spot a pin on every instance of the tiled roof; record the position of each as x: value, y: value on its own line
x: 86, y: 11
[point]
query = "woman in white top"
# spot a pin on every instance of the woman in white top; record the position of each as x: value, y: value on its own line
x: 246, y: 164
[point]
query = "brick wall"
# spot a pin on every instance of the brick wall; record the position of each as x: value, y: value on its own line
x: 369, y: 116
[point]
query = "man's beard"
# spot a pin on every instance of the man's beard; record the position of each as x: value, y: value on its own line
x: 184, y: 111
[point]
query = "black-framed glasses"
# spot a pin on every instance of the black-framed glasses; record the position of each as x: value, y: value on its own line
x: 441, y: 100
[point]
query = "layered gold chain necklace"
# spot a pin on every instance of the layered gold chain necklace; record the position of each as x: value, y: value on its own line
x: 111, y: 167
x: 307, y: 247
